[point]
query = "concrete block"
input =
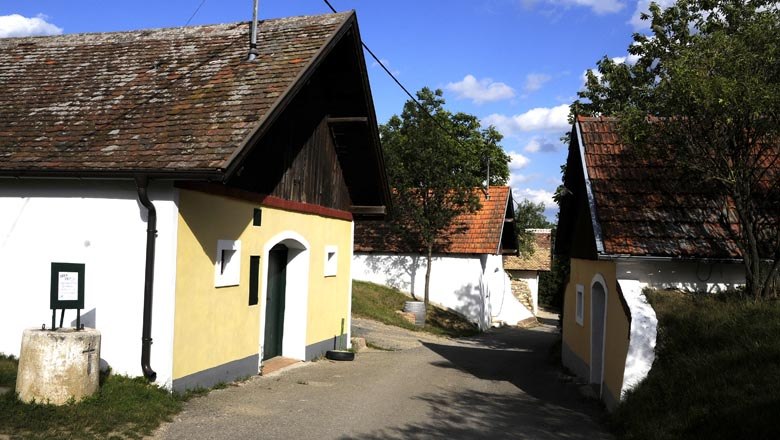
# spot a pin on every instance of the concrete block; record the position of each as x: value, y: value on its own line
x: 56, y: 366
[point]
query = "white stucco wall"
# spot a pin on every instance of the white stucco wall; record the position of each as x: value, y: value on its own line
x: 468, y: 284
x: 101, y: 224
x: 504, y: 306
x: 644, y: 329
x: 684, y: 275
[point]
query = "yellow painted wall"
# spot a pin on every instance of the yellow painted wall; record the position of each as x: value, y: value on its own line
x: 215, y: 325
x: 577, y: 337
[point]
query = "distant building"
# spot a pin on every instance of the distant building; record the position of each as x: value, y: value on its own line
x: 524, y: 270
x: 467, y: 274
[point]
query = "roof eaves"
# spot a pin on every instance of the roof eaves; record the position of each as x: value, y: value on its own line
x: 591, y: 200
x: 232, y: 164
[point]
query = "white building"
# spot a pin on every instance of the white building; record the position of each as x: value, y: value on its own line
x: 467, y: 274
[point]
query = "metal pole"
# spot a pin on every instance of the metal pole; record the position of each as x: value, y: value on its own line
x: 253, y: 34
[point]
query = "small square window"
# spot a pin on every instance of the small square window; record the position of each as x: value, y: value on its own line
x: 227, y: 268
x: 580, y: 303
x: 331, y: 261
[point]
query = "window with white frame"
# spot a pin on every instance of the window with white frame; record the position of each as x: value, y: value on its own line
x: 331, y: 261
x: 580, y: 304
x: 227, y: 268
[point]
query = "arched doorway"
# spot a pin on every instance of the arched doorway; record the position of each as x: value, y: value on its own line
x: 285, y: 294
x: 598, y: 324
x: 275, y: 301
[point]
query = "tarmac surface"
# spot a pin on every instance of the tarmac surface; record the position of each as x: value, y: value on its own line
x: 502, y: 384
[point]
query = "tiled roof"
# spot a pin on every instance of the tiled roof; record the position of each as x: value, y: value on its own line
x: 475, y: 233
x: 180, y: 99
x: 639, y: 209
x: 539, y: 260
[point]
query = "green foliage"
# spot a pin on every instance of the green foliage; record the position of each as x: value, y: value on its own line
x: 123, y: 408
x: 529, y: 215
x: 552, y: 284
x: 381, y: 304
x: 704, y: 95
x: 435, y: 159
x: 8, y: 371
x: 716, y: 374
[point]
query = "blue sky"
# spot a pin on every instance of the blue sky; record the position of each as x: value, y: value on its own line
x: 516, y: 64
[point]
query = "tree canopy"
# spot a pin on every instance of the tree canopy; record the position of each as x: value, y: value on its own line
x: 529, y: 215
x: 704, y: 95
x: 435, y: 160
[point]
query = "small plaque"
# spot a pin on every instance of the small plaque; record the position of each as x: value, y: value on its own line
x: 67, y: 286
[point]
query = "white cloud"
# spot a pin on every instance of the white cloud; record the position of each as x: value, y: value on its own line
x: 644, y: 6
x: 517, y: 161
x: 480, y: 91
x: 537, y: 119
x: 386, y: 63
x: 598, y: 6
x: 515, y: 179
x: 540, y: 144
x: 536, y: 196
x: 535, y: 81
x: 15, y: 25
x: 629, y: 59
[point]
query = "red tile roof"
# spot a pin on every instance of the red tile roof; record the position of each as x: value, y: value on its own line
x: 178, y: 100
x: 637, y: 210
x: 539, y: 260
x: 476, y: 233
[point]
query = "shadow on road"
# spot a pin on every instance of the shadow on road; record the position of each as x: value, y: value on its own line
x: 544, y: 406
x: 475, y: 414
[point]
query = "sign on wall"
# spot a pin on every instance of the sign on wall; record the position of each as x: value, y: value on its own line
x: 67, y: 289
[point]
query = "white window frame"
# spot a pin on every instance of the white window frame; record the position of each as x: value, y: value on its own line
x: 331, y: 266
x: 227, y: 273
x: 580, y: 305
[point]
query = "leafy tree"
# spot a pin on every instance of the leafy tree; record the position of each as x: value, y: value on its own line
x: 529, y: 215
x: 705, y: 95
x: 435, y: 160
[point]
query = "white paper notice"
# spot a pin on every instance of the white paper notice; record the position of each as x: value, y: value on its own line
x: 68, y: 286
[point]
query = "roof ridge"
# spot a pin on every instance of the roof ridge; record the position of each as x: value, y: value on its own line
x: 171, y: 30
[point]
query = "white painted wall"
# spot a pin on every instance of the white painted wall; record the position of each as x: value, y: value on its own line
x: 503, y: 304
x: 101, y: 224
x: 641, y: 345
x: 469, y: 285
x: 690, y: 276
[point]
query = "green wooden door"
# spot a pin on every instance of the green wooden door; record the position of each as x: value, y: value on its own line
x: 274, y: 305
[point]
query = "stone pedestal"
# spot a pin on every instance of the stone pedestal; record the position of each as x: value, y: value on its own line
x: 55, y: 366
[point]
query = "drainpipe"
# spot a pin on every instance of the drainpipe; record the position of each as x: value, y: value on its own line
x: 142, y: 182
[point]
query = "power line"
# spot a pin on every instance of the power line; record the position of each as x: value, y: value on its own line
x: 194, y: 13
x: 412, y: 97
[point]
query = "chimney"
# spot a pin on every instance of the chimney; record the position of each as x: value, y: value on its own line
x: 253, y: 34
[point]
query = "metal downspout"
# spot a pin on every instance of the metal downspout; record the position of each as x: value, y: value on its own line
x: 142, y: 182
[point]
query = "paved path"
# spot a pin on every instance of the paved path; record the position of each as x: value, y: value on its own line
x: 499, y: 385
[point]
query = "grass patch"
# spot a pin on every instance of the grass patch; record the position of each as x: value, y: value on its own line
x: 716, y: 374
x: 123, y: 408
x: 8, y: 371
x: 380, y: 303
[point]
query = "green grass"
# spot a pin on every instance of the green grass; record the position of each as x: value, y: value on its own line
x: 380, y: 303
x: 7, y: 371
x: 716, y: 373
x: 123, y: 408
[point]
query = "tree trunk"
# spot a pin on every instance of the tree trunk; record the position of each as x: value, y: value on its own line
x: 428, y: 276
